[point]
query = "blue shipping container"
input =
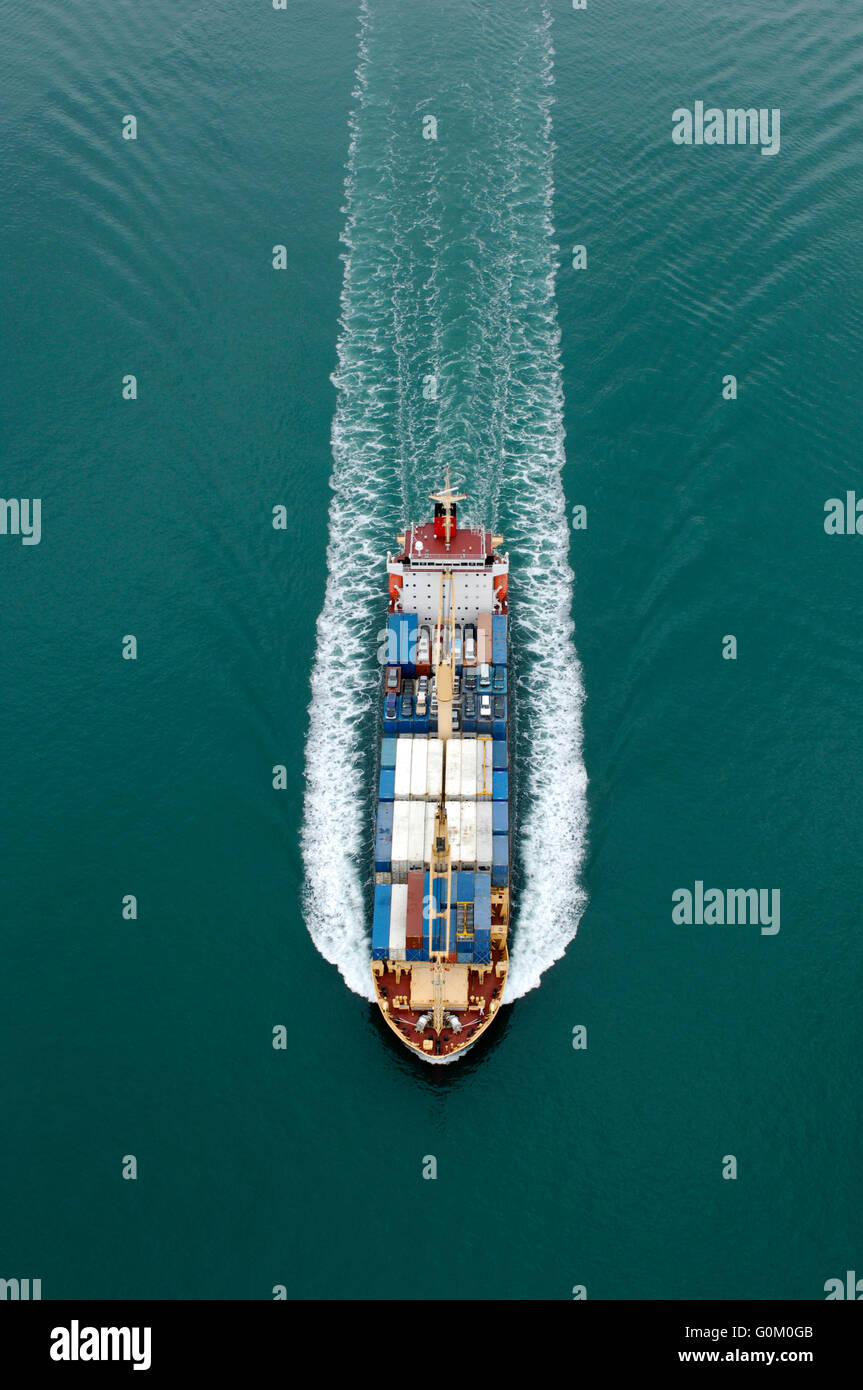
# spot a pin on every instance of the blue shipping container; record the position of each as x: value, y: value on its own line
x: 500, y: 861
x: 465, y: 886
x: 500, y: 817
x: 410, y: 635
x: 381, y: 921
x: 385, y: 816
x: 500, y: 786
x: 482, y: 904
x: 387, y: 784
x: 498, y: 752
x: 388, y: 752
x: 383, y: 854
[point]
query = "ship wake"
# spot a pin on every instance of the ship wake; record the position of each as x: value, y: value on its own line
x: 449, y: 276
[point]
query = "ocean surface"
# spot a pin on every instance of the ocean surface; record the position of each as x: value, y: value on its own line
x: 429, y: 171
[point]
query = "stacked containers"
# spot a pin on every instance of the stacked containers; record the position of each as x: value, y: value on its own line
x: 416, y: 835
x: 499, y: 755
x: 402, y: 632
x: 484, y: 832
x: 500, y: 786
x: 388, y: 752
x: 468, y: 767
x: 402, y: 784
x: 467, y: 845
x: 387, y: 784
x: 381, y: 921
x: 500, y: 817
x: 483, y: 639
x: 431, y: 807
x: 500, y: 861
x: 482, y: 920
x: 412, y: 635
x: 453, y: 768
x: 435, y: 768
x: 384, y: 838
x: 414, y: 916
x: 453, y: 817
x: 498, y: 640
x: 398, y: 919
x: 419, y: 768
x: 484, y: 767
x: 400, y: 844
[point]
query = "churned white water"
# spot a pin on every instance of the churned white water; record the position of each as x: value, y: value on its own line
x: 449, y: 273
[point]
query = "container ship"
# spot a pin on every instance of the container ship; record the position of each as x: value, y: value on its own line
x: 442, y: 882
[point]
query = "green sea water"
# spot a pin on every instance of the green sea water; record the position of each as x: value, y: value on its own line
x: 645, y: 760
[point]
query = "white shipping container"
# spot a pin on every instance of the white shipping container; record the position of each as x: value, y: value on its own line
x: 484, y: 768
x: 398, y: 921
x: 431, y: 807
x: 401, y: 813
x: 453, y: 819
x: 435, y: 767
x: 453, y: 768
x: 416, y: 834
x: 404, y: 748
x: 468, y: 768
x: 419, y: 767
x: 468, y: 835
x: 484, y: 833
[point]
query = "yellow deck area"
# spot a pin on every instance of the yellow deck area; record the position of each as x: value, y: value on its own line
x: 422, y: 987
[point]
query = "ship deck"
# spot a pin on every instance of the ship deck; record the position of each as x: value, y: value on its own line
x: 484, y: 993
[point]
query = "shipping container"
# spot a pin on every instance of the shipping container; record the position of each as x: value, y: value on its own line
x: 431, y: 807
x: 500, y: 786
x: 498, y: 639
x: 482, y: 949
x: 414, y: 916
x: 453, y: 816
x: 419, y: 767
x: 482, y: 902
x: 500, y: 862
x: 404, y: 749
x: 383, y: 852
x: 388, y: 752
x: 484, y: 767
x: 393, y: 632
x: 381, y: 921
x: 416, y: 834
x: 401, y: 824
x: 484, y: 832
x: 467, y: 846
x: 453, y: 768
x: 398, y: 917
x: 435, y: 767
x: 387, y: 784
x: 500, y: 817
x: 468, y: 767
x: 499, y: 752
x: 385, y: 816
x: 464, y: 883
x: 408, y: 638
x: 483, y: 639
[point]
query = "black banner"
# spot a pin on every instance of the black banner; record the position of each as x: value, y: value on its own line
x: 161, y: 1339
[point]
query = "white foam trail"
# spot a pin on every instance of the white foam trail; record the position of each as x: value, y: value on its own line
x: 551, y: 780
x: 408, y: 298
x: 365, y: 482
